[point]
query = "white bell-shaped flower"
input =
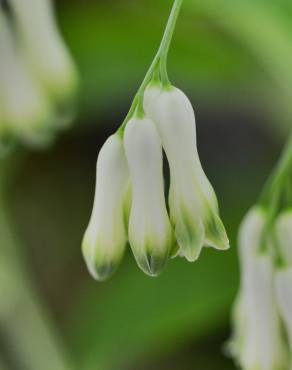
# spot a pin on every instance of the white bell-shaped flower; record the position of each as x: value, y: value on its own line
x: 192, y: 200
x: 150, y: 232
x: 284, y: 300
x: 283, y: 229
x: 258, y: 342
x: 106, y: 236
x: 263, y: 345
x: 24, y: 108
x: 44, y: 46
x: 250, y: 234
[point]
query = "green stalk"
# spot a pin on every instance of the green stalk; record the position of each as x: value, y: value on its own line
x: 23, y: 319
x: 273, y: 192
x: 166, y: 41
x: 159, y: 59
x: 280, y: 176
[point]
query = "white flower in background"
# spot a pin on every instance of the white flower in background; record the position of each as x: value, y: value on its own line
x: 249, y: 240
x: 106, y: 236
x: 150, y: 232
x: 44, y: 47
x: 192, y: 200
x: 250, y: 233
x: 258, y: 342
x: 263, y: 342
x: 284, y: 299
x: 37, y: 77
x: 284, y: 273
x: 24, y: 108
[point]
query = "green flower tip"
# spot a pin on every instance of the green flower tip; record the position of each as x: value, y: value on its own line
x: 100, y: 266
x: 152, y: 264
x: 216, y: 235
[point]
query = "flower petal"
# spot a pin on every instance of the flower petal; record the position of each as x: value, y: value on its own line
x: 106, y: 237
x: 150, y: 232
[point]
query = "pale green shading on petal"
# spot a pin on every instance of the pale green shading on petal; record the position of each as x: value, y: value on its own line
x: 215, y: 232
x: 189, y: 233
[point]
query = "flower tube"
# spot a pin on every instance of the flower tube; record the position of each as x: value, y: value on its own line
x: 192, y: 200
x: 258, y: 341
x: 44, y: 47
x: 284, y: 272
x: 105, y: 239
x: 25, y: 110
x: 150, y: 232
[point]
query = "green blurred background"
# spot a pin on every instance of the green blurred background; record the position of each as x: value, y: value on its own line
x: 233, y: 59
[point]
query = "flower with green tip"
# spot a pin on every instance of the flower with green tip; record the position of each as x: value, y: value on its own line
x: 44, y: 47
x: 150, y: 231
x: 258, y: 341
x: 192, y: 200
x: 105, y: 239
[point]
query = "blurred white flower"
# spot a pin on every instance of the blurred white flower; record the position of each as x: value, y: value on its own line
x: 258, y: 342
x: 284, y: 299
x: 250, y: 233
x: 284, y: 236
x: 44, y: 47
x: 106, y: 236
x: 192, y: 200
x: 24, y: 108
x: 284, y: 272
x: 263, y: 342
x: 38, y: 79
x: 150, y: 232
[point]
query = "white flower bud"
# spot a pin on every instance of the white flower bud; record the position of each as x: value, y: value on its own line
x: 44, y: 46
x: 150, y: 232
x: 192, y: 201
x: 250, y: 234
x: 106, y: 236
x: 284, y: 236
x: 24, y: 108
x: 284, y: 299
x: 283, y: 227
x: 258, y: 341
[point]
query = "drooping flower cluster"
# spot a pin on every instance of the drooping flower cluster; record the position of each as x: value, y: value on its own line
x: 262, y: 315
x: 37, y: 76
x: 130, y: 204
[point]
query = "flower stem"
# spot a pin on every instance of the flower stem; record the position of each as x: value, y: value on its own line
x: 166, y: 40
x: 280, y: 175
x: 274, y: 189
x: 159, y: 59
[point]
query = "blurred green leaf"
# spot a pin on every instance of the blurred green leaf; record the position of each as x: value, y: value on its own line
x: 137, y: 314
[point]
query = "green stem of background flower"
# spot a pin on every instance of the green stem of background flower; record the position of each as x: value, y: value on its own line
x: 275, y: 190
x: 160, y: 60
x: 280, y: 176
x: 23, y: 320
